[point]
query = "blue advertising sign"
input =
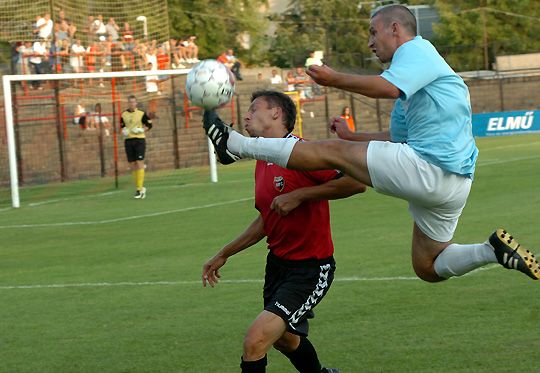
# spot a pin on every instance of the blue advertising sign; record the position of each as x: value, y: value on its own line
x: 506, y: 123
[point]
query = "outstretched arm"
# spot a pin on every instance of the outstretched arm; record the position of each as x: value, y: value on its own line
x: 368, y: 85
x: 253, y: 234
x: 343, y: 187
x: 340, y: 128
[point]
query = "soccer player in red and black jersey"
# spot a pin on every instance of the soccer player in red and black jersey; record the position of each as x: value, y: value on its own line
x: 295, y: 219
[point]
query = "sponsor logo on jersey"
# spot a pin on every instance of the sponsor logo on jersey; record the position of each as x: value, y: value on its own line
x: 279, y: 183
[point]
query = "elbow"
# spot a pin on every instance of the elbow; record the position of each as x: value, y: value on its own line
x: 393, y: 92
x: 361, y: 188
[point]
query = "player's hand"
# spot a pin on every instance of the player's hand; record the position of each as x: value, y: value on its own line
x: 285, y: 203
x: 125, y: 131
x: 322, y: 75
x: 340, y: 128
x: 210, y: 270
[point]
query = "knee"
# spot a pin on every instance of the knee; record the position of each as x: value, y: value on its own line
x: 254, y: 347
x: 426, y: 272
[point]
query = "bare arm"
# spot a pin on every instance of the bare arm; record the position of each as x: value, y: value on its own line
x: 368, y: 85
x: 339, y: 127
x: 343, y: 187
x: 253, y: 234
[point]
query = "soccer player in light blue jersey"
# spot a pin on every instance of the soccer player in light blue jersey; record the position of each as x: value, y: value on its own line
x: 427, y: 158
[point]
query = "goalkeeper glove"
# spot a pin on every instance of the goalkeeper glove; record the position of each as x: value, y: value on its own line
x: 125, y: 131
x: 138, y: 130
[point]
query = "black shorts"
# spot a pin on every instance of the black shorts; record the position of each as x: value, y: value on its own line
x: 135, y: 149
x: 292, y: 288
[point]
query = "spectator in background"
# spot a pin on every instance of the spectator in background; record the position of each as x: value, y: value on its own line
x: 91, y: 57
x: 63, y: 52
x: 99, y: 28
x: 118, y: 57
x: 151, y: 57
x: 61, y: 32
x: 97, y: 120
x: 181, y: 50
x: 127, y: 37
x: 72, y: 29
x: 76, y: 56
x: 152, y: 81
x: 112, y: 29
x: 44, y: 26
x: 80, y: 116
x: 275, y: 78
x: 38, y: 61
x: 312, y: 60
x: 25, y: 51
x: 162, y: 59
x: 302, y: 83
x: 174, y: 55
x: 89, y: 29
x: 106, y: 48
x: 228, y: 59
x: 192, y: 50
x: 61, y: 17
x: 291, y: 81
x: 346, y: 114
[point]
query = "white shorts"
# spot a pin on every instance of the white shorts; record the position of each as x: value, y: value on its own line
x: 436, y: 197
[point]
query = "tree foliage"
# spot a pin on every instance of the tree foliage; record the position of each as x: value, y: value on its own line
x: 336, y: 27
x: 510, y: 26
x: 218, y: 24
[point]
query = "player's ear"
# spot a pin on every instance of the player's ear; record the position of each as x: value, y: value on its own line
x: 276, y: 112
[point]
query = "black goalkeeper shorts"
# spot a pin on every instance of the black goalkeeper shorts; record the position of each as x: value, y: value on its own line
x: 292, y: 288
x: 135, y: 149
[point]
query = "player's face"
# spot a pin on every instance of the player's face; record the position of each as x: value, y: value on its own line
x: 132, y: 103
x: 258, y: 119
x: 381, y: 41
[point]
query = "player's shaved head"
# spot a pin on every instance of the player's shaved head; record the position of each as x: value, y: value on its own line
x: 397, y: 13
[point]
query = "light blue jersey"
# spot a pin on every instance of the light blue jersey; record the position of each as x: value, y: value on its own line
x: 398, y: 126
x: 435, y: 107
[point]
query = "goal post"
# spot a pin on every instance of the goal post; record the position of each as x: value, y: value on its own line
x: 75, y: 88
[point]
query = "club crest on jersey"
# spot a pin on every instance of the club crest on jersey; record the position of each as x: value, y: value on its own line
x: 279, y: 183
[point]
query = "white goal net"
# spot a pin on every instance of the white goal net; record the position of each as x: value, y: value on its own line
x: 63, y: 128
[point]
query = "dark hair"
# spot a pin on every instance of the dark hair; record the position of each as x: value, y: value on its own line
x: 344, y: 109
x: 130, y: 97
x: 281, y: 100
x: 397, y: 13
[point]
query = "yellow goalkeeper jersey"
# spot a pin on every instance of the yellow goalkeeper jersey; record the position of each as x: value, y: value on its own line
x: 135, y: 119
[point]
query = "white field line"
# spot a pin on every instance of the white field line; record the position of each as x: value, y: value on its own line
x: 521, y: 145
x: 507, y: 160
x: 34, y: 204
x: 98, y: 222
x: 485, y: 163
x: 198, y: 282
x: 176, y: 283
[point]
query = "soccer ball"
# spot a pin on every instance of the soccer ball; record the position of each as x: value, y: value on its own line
x: 209, y: 84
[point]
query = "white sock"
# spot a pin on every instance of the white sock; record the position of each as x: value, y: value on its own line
x: 456, y: 259
x: 272, y: 150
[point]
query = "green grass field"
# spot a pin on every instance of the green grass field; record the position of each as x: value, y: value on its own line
x: 94, y: 281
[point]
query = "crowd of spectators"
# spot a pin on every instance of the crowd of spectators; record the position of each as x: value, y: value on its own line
x: 60, y: 46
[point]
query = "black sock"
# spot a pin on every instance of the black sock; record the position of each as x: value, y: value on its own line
x: 304, y: 358
x: 257, y: 366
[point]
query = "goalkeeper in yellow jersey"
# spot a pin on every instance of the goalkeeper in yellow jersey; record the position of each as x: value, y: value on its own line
x: 135, y: 123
